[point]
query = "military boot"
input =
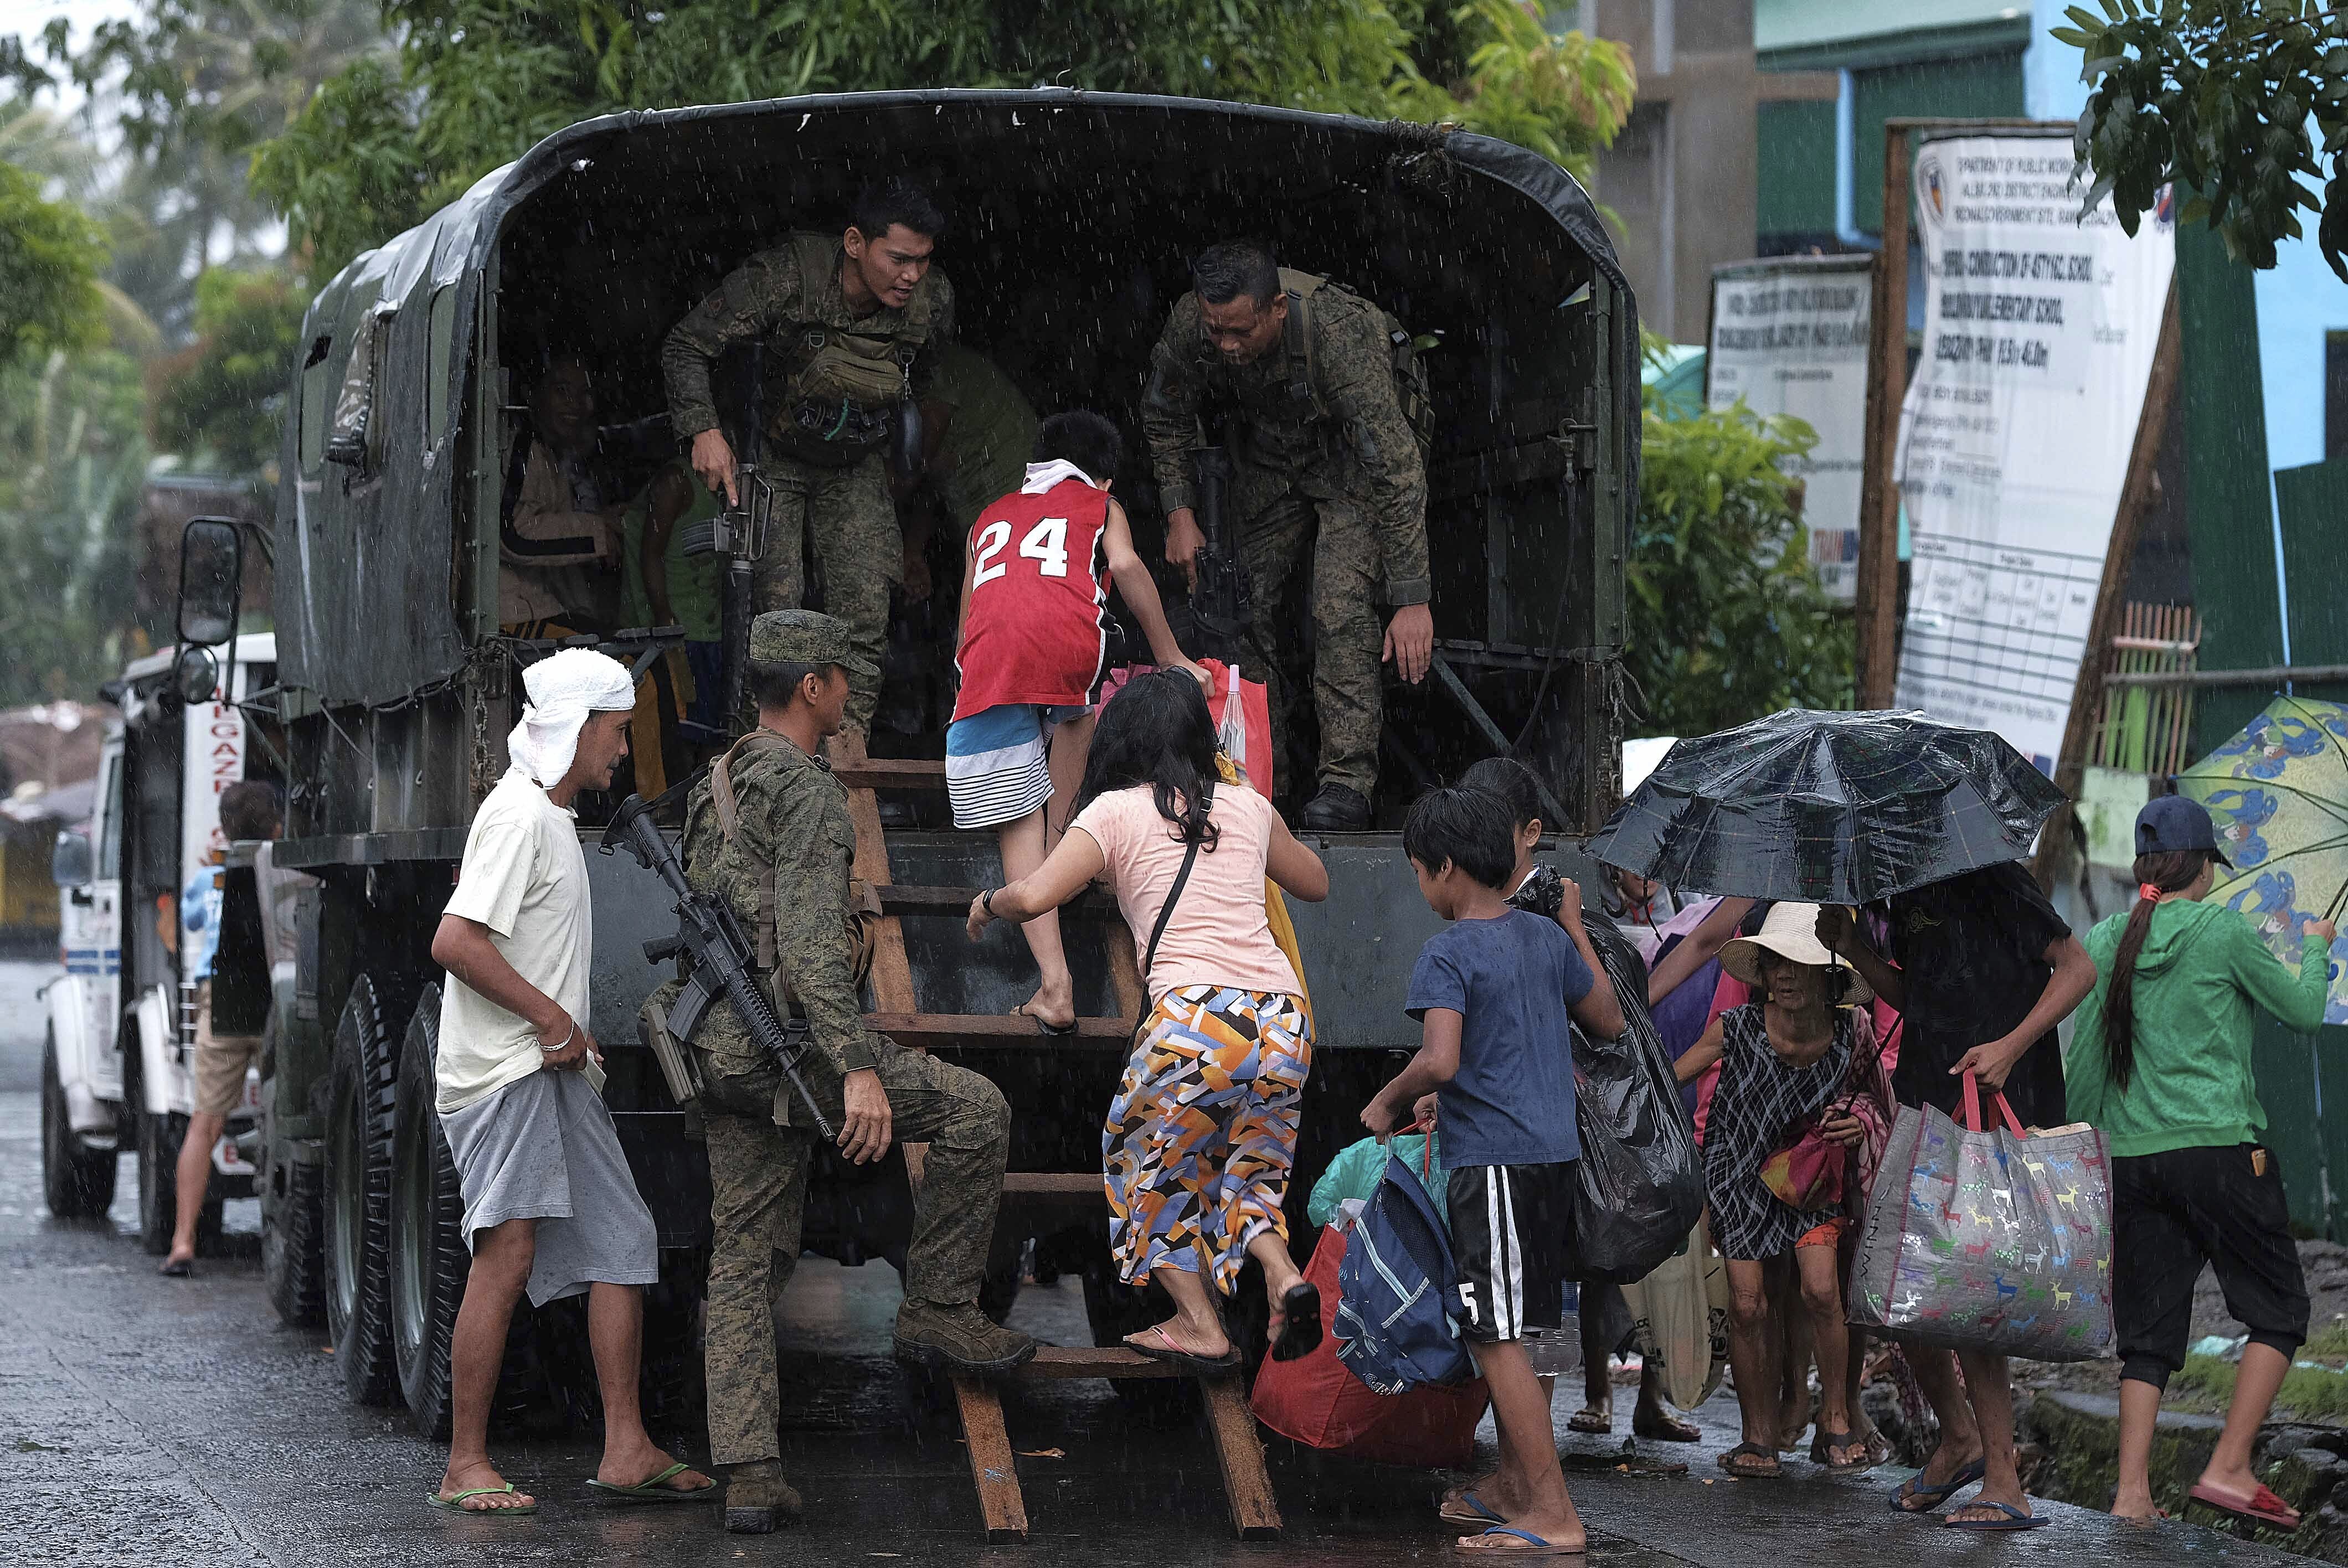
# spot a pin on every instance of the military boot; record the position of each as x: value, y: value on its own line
x: 758, y: 1498
x: 1338, y: 808
x: 959, y: 1339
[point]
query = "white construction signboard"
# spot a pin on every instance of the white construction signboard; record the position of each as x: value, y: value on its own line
x: 1789, y: 336
x: 2014, y: 437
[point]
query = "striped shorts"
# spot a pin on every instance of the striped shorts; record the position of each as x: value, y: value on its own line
x: 998, y: 762
x: 1511, y: 1235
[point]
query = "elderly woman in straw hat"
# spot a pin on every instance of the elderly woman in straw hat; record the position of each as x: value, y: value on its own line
x: 1787, y: 1115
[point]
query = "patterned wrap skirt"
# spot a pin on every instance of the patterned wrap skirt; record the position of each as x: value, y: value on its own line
x: 1202, y: 1134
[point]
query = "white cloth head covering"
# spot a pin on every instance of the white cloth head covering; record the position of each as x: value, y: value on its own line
x: 562, y: 690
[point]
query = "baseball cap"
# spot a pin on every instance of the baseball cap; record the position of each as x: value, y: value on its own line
x: 2173, y: 822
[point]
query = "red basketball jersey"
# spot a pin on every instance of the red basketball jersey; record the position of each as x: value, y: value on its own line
x: 1037, y: 629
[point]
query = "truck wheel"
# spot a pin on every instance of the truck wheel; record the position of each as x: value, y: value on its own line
x: 78, y: 1183
x: 363, y: 1087
x: 429, y: 1259
x: 160, y: 1137
x: 292, y: 1256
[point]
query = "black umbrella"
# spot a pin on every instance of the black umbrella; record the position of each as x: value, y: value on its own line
x: 1828, y: 808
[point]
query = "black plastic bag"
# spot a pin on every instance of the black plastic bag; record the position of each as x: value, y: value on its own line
x: 1639, y: 1185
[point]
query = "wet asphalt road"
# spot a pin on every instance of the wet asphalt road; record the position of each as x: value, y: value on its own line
x: 150, y: 1422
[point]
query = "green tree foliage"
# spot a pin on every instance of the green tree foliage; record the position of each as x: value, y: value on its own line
x: 477, y: 82
x: 220, y: 399
x: 1728, y: 622
x: 50, y: 259
x: 2216, y: 96
x: 71, y: 461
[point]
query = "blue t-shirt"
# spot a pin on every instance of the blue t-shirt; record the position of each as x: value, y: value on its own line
x: 1511, y: 979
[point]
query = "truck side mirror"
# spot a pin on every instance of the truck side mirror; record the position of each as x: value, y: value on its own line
x: 211, y: 573
x: 70, y: 863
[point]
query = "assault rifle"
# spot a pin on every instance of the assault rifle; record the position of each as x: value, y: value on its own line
x: 740, y: 534
x: 711, y: 940
x: 1219, y: 599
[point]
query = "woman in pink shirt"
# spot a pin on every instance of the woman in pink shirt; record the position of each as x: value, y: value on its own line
x: 1202, y: 1134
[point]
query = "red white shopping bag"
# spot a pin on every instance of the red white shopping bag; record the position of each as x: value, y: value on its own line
x: 1242, y: 713
x: 1317, y: 1401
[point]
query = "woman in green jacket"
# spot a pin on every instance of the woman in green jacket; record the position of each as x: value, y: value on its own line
x: 2159, y: 1060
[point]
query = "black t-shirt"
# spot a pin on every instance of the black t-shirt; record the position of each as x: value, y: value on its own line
x: 1971, y: 955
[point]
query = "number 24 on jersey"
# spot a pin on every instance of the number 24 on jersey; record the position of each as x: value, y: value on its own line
x: 1046, y: 544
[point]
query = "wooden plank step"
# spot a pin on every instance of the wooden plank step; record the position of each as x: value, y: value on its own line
x: 1247, y: 1486
x: 892, y: 773
x: 1084, y: 1186
x: 943, y: 1031
x: 1055, y: 1363
x: 920, y: 899
x: 992, y: 1469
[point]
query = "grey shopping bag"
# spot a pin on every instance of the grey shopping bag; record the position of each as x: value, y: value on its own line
x: 1986, y: 1238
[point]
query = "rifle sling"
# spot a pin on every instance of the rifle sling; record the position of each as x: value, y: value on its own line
x: 729, y: 821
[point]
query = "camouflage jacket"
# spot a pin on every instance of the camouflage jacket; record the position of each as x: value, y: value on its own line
x: 767, y: 297
x: 794, y: 817
x: 1362, y: 430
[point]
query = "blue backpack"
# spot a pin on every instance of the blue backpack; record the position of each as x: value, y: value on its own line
x: 1398, y: 1293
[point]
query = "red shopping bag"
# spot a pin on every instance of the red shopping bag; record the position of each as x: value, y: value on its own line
x: 1243, y: 717
x: 1315, y: 1400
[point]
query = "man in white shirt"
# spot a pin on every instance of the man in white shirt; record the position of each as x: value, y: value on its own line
x: 549, y: 1203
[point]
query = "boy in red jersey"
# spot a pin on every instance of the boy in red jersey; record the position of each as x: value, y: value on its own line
x: 1034, y: 636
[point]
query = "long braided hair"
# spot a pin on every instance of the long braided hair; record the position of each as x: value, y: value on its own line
x: 2168, y: 871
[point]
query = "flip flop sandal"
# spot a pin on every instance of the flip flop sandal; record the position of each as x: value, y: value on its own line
x: 178, y: 1268
x: 2014, y: 1519
x: 1727, y: 1461
x: 1914, y: 1491
x: 1167, y: 1351
x: 1043, y: 1025
x: 1598, y: 1419
x: 652, y: 1490
x: 456, y: 1504
x: 1667, y: 1430
x: 2261, y: 1507
x: 1828, y: 1441
x: 1476, y: 1511
x: 1534, y: 1546
x: 1300, y: 1324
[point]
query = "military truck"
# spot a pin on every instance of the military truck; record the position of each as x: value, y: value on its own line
x: 1073, y: 217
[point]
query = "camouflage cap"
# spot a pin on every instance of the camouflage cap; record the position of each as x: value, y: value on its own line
x: 805, y: 637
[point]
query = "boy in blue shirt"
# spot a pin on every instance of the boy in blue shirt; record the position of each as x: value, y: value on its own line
x: 1492, y: 993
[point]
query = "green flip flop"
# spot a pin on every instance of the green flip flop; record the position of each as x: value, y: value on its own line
x: 651, y: 1489
x: 456, y: 1504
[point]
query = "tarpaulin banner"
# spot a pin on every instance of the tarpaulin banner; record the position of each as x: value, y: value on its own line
x: 2016, y: 434
x: 1790, y: 336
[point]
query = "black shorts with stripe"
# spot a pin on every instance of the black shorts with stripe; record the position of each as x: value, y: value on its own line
x: 1511, y: 1231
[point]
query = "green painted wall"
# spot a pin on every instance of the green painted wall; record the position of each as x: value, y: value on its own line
x: 1796, y: 193
x: 1985, y: 86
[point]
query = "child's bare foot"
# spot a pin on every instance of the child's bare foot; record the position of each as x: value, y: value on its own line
x: 1054, y: 1007
x: 1179, y: 1335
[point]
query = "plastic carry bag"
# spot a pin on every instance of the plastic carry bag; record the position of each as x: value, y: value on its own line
x: 1355, y: 1172
x: 1638, y: 1186
x: 1680, y: 1319
x: 1242, y: 714
x: 1988, y: 1239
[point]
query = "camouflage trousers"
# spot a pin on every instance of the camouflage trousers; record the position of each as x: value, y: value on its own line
x: 758, y: 1179
x: 847, y: 514
x: 1285, y: 522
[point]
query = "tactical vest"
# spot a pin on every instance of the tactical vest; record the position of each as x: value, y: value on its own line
x: 1402, y: 356
x: 842, y: 386
x: 862, y: 909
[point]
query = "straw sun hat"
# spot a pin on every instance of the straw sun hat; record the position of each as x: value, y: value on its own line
x: 1790, y: 931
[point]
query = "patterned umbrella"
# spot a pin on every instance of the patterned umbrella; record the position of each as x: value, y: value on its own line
x: 2278, y: 794
x: 1829, y: 808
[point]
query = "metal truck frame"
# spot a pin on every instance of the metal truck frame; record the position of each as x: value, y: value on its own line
x: 396, y: 689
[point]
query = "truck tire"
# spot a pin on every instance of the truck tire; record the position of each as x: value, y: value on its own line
x: 160, y: 1137
x: 292, y: 1252
x: 429, y: 1259
x: 78, y: 1183
x: 363, y: 1087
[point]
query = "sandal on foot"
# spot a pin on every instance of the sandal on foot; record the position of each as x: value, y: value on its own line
x: 456, y: 1502
x: 1822, y: 1450
x: 1469, y: 1509
x: 1300, y: 1323
x: 1662, y: 1428
x: 1761, y: 1452
x: 2261, y: 1507
x: 1915, y: 1490
x: 1597, y: 1419
x: 654, y: 1490
x: 178, y: 1268
x: 1056, y: 1031
x: 1531, y: 1545
x: 1190, y: 1360
x: 2014, y: 1519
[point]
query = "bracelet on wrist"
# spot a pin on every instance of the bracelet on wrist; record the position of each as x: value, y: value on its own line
x: 987, y: 902
x: 563, y: 1044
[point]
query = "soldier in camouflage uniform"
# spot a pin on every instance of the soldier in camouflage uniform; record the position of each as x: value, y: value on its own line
x: 850, y: 325
x: 1325, y: 467
x: 770, y: 830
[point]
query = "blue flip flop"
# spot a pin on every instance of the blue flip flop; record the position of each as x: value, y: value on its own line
x: 1534, y: 1546
x: 1483, y: 1514
x: 2014, y: 1518
x: 1931, y: 1497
